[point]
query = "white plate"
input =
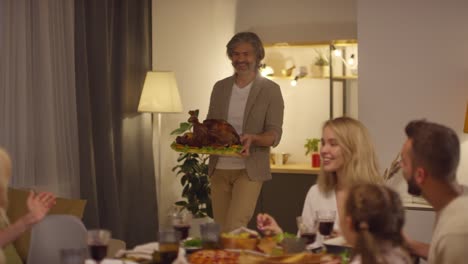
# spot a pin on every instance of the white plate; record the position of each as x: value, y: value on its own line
x: 336, y: 241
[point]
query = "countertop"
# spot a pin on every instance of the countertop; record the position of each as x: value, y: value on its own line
x: 294, y: 168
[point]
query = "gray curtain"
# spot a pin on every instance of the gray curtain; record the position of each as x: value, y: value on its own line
x: 38, y: 124
x: 113, y: 53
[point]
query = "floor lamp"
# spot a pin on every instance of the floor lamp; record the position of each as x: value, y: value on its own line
x: 466, y: 120
x: 160, y: 95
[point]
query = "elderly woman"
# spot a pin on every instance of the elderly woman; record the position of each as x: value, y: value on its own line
x: 38, y: 206
x: 348, y: 158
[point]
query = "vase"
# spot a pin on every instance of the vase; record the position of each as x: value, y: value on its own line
x: 320, y: 71
x: 315, y: 160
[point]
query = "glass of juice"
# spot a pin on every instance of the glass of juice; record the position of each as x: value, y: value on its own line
x: 168, y: 245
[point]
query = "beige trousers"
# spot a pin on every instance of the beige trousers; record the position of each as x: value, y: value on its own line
x: 234, y: 197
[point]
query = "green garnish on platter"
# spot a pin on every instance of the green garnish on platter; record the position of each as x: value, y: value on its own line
x: 194, y: 242
x: 233, y: 151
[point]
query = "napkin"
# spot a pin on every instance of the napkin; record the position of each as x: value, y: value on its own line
x: 144, y: 251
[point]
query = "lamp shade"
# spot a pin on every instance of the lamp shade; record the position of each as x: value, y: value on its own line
x: 466, y: 120
x: 160, y: 93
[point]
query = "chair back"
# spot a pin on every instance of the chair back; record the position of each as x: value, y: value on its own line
x: 54, y: 233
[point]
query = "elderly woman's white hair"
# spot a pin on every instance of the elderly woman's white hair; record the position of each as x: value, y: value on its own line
x: 5, y: 174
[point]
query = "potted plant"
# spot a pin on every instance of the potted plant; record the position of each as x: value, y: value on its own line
x: 312, y: 146
x: 193, y: 169
x: 321, y: 66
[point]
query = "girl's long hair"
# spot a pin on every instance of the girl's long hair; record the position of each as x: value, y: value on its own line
x: 377, y: 215
x: 360, y: 162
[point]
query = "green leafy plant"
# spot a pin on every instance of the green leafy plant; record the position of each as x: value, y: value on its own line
x: 311, y: 145
x: 196, y: 186
x: 321, y: 61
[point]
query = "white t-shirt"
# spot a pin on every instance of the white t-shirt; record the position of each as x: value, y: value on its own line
x: 450, y: 238
x: 235, y: 117
x: 316, y: 200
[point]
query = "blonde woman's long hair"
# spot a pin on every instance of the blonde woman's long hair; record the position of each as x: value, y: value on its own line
x: 360, y: 161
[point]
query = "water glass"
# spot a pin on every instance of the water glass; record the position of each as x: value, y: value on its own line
x: 293, y: 245
x: 210, y: 235
x: 73, y: 255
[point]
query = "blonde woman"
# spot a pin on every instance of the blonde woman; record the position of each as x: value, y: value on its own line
x: 348, y: 158
x: 38, y: 206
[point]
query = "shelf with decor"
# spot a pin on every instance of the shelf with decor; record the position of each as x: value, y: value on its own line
x: 294, y: 168
x: 335, y: 61
x: 316, y: 86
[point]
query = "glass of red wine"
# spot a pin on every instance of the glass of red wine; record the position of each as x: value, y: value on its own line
x: 98, y: 239
x: 326, y: 220
x: 306, y: 231
x: 181, y: 221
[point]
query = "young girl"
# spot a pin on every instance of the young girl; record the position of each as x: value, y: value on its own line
x: 371, y: 222
x: 348, y: 158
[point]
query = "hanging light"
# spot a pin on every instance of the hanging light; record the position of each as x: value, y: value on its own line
x: 351, y: 60
x: 267, y: 71
x: 337, y: 52
x: 294, y: 81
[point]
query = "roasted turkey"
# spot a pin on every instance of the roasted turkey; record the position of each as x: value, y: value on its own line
x: 212, y: 132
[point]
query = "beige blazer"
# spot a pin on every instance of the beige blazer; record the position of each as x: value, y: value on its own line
x: 263, y: 112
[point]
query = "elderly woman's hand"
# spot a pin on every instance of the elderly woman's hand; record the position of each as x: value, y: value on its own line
x: 39, y: 205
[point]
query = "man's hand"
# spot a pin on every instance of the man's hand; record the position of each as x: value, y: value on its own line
x: 246, y: 141
x: 39, y: 205
x: 416, y: 248
x: 265, y: 139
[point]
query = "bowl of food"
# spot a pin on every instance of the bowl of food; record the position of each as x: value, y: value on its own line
x: 239, y: 241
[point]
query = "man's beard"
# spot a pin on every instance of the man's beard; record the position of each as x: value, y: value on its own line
x: 413, y: 188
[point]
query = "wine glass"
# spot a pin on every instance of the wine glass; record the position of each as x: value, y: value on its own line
x: 326, y: 220
x: 306, y: 231
x: 180, y: 221
x: 98, y: 239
